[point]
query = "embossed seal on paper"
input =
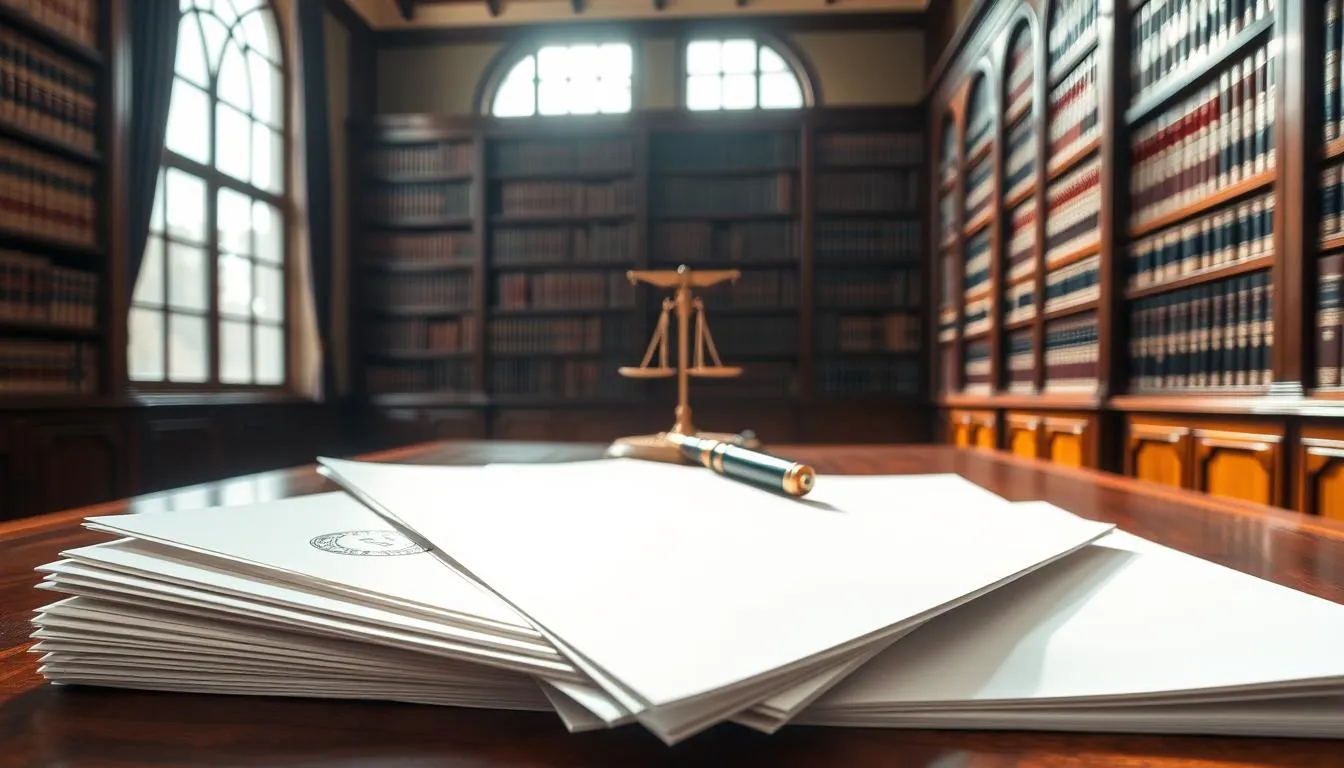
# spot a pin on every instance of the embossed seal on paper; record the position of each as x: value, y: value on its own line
x: 366, y: 543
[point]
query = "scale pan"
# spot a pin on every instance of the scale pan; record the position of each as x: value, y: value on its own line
x: 715, y: 372
x: 636, y: 372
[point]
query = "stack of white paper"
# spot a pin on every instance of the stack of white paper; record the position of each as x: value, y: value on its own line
x: 620, y: 592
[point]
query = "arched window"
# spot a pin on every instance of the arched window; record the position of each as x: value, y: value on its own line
x: 579, y: 79
x: 210, y: 300
x: 741, y: 73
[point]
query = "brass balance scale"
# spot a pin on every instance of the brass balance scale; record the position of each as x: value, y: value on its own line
x: 658, y: 447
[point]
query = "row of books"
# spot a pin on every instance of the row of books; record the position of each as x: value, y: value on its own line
x: 760, y: 379
x: 699, y: 242
x: 869, y: 288
x: 1334, y: 78
x: 976, y: 366
x: 868, y: 377
x: 564, y: 290
x: 75, y: 19
x: 743, y: 337
x: 684, y: 196
x: 756, y: 289
x: 455, y: 334
x: 1021, y: 362
x: 977, y: 254
x: 34, y: 289
x: 419, y: 377
x: 1020, y: 167
x: 44, y: 93
x: 1071, y: 354
x: 975, y: 316
x: 865, y: 241
x: 1171, y: 37
x: 599, y: 244
x: 1022, y: 240
x: 578, y: 155
x: 557, y: 378
x: 1019, y: 302
x: 869, y: 149
x: 30, y: 366
x: 724, y: 152
x: 896, y: 332
x: 404, y: 249
x: 46, y: 197
x: 421, y: 160
x: 1021, y: 67
x: 1073, y: 210
x: 1329, y: 311
x: 418, y: 201
x: 1236, y: 233
x: 1219, y: 136
x: 1215, y: 335
x: 1077, y: 283
x: 1075, y: 117
x: 979, y: 188
x: 580, y: 335
x: 1332, y: 201
x: 892, y: 190
x: 447, y: 291
x: 979, y: 118
x: 566, y: 198
x: 1072, y: 23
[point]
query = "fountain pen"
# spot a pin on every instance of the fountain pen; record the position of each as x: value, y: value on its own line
x: 749, y: 466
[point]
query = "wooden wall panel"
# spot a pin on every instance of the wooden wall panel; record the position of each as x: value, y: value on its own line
x: 1320, y: 472
x: 1238, y: 463
x: 1023, y: 435
x: 865, y: 423
x: 1068, y: 440
x: 178, y: 450
x: 1159, y: 453
x: 75, y: 459
x: 9, y: 476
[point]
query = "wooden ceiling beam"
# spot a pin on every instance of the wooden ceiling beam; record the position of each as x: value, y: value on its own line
x: 407, y: 9
x: 493, y: 6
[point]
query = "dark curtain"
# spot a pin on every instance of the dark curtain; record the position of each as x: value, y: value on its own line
x: 153, y: 33
x: 312, y: 41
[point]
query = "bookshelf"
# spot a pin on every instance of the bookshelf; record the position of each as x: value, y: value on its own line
x: 509, y: 297
x: 55, y: 288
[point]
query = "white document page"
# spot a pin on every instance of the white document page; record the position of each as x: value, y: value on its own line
x: 719, y: 584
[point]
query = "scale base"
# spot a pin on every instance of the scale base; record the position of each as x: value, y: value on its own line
x: 659, y: 448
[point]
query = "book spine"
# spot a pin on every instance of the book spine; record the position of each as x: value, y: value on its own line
x: 1328, y: 350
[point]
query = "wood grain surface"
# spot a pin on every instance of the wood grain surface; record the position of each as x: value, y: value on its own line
x: 44, y: 725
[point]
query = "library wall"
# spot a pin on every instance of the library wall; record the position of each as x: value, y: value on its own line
x: 338, y: 103
x: 853, y: 68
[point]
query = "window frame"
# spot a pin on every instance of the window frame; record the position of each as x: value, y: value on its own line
x: 793, y: 57
x: 214, y: 180
x: 508, y: 57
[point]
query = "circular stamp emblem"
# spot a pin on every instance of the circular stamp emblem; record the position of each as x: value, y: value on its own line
x: 366, y: 543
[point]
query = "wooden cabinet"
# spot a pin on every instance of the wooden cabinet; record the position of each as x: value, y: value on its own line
x: 71, y: 460
x: 1067, y: 440
x: 1159, y: 453
x: 1237, y: 462
x: 1022, y: 435
x: 973, y: 429
x: 1320, y: 473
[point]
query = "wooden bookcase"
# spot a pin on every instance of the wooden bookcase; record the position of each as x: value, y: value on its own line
x: 1183, y: 309
x: 820, y: 210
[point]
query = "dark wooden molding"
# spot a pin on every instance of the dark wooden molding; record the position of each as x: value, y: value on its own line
x: 579, y: 6
x: 349, y: 17
x: 982, y: 22
x: 406, y: 8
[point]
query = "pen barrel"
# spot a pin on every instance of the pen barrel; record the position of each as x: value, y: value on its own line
x: 761, y: 469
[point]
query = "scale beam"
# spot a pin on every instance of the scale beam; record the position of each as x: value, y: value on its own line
x: 663, y: 278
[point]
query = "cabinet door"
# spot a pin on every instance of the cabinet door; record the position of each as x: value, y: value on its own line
x: 1159, y: 453
x: 1237, y: 464
x: 985, y: 436
x: 1068, y: 441
x: 1023, y: 435
x: 962, y: 429
x: 1320, y: 480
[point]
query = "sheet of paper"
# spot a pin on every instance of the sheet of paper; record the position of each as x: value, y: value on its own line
x: 720, y: 585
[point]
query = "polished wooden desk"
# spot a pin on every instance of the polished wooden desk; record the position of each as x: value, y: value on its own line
x: 42, y: 725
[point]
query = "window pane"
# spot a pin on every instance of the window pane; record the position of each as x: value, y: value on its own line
x: 156, y: 215
x: 234, y: 85
x: 583, y: 62
x: 270, y: 355
x: 232, y: 152
x: 704, y: 92
x: 553, y: 62
x: 268, y: 227
x: 187, y: 278
x: 615, y: 96
x: 191, y: 52
x: 704, y: 57
x: 149, y: 283
x: 186, y: 206
x: 553, y: 97
x: 615, y: 60
x: 516, y: 98
x: 233, y: 219
x: 188, y: 348
x: 235, y: 285
x: 235, y: 353
x: 780, y: 91
x: 260, y: 33
x: 267, y: 171
x: 267, y: 91
x: 224, y: 9
x: 525, y: 69
x: 771, y: 61
x: 583, y: 96
x: 739, y: 56
x: 216, y: 34
x: 269, y: 303
x: 188, y: 122
x: 739, y: 91
x: 145, y: 356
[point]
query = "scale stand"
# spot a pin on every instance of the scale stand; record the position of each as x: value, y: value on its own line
x: 658, y: 447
